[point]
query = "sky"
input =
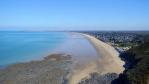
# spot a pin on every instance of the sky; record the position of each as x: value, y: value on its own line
x: 74, y: 14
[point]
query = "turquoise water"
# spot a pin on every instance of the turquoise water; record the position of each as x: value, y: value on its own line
x: 16, y: 47
x: 24, y: 46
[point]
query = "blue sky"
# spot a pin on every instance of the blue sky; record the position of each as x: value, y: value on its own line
x: 74, y: 14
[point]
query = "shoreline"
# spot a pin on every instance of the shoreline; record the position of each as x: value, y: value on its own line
x: 108, y: 53
x: 108, y: 62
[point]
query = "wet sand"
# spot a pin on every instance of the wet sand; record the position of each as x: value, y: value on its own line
x: 60, y: 68
x: 108, y: 62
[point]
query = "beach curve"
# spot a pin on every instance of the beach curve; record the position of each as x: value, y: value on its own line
x: 109, y: 61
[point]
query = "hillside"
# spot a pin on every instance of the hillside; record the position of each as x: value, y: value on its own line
x: 137, y: 65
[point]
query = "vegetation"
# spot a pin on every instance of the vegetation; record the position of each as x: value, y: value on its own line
x: 137, y: 65
x: 140, y: 71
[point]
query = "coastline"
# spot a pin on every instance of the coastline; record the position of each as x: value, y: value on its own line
x: 108, y: 62
x: 109, y: 55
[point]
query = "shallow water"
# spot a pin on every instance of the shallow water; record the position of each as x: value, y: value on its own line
x: 79, y: 47
x: 18, y: 47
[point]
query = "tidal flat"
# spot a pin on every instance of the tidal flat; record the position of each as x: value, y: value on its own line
x: 53, y: 69
x: 84, y: 55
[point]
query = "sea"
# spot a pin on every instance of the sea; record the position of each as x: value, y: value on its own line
x: 25, y: 46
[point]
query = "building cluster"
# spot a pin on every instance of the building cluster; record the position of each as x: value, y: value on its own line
x: 120, y: 40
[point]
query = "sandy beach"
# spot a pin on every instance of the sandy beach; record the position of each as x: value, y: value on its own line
x: 62, y: 68
x: 108, y: 62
